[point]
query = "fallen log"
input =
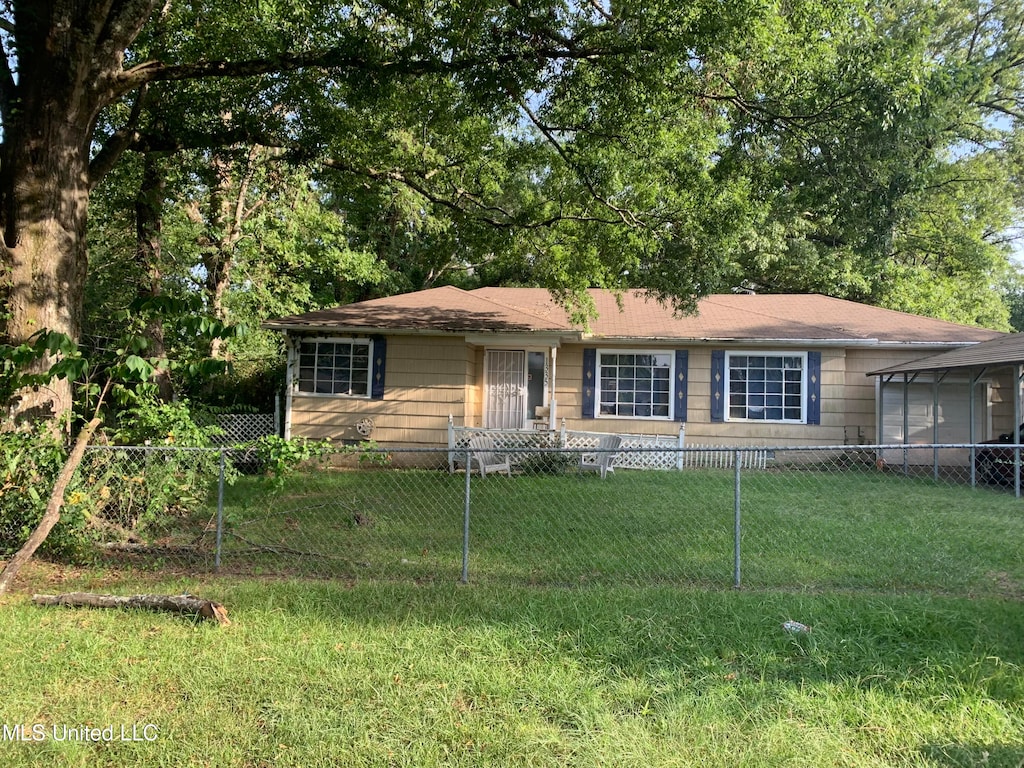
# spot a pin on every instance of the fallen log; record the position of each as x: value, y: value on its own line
x: 189, y: 605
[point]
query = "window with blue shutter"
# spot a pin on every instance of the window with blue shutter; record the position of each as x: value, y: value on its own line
x: 780, y: 387
x: 634, y: 384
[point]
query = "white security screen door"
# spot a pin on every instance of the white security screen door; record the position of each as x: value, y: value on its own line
x: 505, y: 377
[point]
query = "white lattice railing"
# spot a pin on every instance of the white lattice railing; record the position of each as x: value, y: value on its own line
x: 635, y: 451
x: 521, y: 443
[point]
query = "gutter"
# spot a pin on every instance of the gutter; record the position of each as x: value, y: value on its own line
x: 638, y: 340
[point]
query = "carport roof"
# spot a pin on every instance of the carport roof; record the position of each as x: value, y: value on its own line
x: 1003, y: 351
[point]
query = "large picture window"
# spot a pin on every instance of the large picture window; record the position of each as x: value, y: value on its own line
x: 766, y: 387
x: 635, y: 384
x: 335, y: 367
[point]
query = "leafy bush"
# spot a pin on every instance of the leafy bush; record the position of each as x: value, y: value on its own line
x: 30, y: 461
x: 278, y: 457
x: 134, y: 490
x: 147, y: 421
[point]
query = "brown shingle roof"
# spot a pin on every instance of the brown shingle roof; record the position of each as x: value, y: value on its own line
x: 721, y: 317
x: 1002, y: 351
x: 446, y: 309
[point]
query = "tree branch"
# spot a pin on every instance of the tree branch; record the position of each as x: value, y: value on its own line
x: 502, y: 218
x: 342, y: 58
x: 56, y: 501
x: 624, y: 216
x: 124, y: 21
x: 118, y: 142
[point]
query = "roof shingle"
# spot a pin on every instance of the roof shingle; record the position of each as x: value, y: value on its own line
x: 720, y: 317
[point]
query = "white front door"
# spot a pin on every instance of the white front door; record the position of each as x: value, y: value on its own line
x: 505, y: 381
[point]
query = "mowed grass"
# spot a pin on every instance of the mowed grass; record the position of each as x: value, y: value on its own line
x: 599, y: 627
x: 388, y: 673
x: 800, y: 529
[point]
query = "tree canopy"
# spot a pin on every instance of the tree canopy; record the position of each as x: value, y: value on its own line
x: 274, y: 157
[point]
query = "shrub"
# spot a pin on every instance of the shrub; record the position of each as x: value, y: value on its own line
x: 278, y: 457
x: 30, y: 461
x: 135, y: 489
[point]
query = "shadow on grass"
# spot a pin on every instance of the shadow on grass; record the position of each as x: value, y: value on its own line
x: 970, y: 755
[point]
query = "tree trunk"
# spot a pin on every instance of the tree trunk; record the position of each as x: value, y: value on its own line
x: 68, y: 58
x: 148, y: 252
x: 45, y: 196
x: 52, y: 515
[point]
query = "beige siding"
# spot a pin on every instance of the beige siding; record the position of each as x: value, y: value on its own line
x: 426, y: 379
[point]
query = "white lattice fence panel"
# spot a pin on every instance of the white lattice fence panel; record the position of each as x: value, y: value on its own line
x: 634, y: 451
x: 243, y: 427
x: 516, y: 443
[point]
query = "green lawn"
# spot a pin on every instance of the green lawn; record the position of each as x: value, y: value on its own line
x: 381, y: 674
x: 801, y: 529
x: 599, y: 627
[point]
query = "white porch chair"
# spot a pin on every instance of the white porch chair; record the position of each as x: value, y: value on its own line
x: 602, y: 459
x: 486, y: 459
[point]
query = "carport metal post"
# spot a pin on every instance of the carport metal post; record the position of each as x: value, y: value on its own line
x: 935, y: 427
x: 937, y: 380
x: 906, y: 423
x: 971, y: 431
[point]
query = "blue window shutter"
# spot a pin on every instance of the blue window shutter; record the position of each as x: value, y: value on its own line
x: 377, y: 366
x: 814, y: 387
x: 680, y: 384
x: 589, y: 381
x: 718, y: 385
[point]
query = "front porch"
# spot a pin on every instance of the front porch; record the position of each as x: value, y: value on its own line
x: 636, y: 451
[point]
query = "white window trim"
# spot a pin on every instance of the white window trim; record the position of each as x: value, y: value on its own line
x: 297, y: 351
x: 767, y: 353
x: 671, y: 379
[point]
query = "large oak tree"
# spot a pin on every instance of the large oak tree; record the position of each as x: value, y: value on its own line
x: 677, y: 147
x: 68, y: 64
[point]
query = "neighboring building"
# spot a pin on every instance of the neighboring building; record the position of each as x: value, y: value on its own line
x: 745, y: 370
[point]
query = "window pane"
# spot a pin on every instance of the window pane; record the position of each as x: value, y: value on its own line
x: 765, y: 387
x: 334, y: 367
x: 630, y: 382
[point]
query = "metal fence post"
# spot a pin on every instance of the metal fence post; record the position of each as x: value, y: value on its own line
x: 736, y: 520
x: 465, y: 521
x: 220, y: 510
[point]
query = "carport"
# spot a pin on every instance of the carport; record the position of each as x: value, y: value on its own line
x: 980, y: 363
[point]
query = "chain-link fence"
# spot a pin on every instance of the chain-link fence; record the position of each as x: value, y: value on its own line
x: 935, y: 518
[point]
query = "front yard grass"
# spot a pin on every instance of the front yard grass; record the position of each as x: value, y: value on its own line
x: 599, y: 627
x: 385, y: 674
x: 800, y: 529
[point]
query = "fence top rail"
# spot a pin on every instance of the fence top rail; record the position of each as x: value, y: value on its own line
x: 622, y: 449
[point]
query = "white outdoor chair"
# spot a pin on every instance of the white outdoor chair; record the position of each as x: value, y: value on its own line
x: 486, y: 459
x: 602, y: 459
